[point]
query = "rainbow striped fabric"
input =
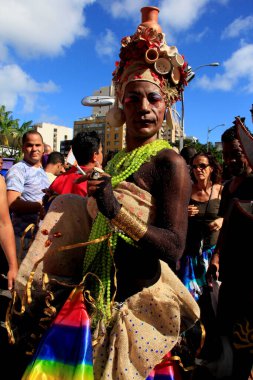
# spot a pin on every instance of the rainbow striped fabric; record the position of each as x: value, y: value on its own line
x: 65, y: 351
x: 167, y: 370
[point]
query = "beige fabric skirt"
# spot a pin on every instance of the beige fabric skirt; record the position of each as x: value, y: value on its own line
x: 145, y: 327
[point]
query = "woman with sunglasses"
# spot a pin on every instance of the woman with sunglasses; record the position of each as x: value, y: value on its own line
x: 203, y: 222
x: 202, y: 234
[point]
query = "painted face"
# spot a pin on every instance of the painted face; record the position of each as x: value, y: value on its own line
x: 201, y: 168
x: 33, y: 149
x: 234, y: 158
x: 144, y: 109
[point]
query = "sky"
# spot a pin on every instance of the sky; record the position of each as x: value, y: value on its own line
x: 53, y: 53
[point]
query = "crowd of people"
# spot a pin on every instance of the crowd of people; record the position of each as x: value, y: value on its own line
x: 111, y: 268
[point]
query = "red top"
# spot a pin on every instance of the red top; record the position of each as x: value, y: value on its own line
x: 64, y: 183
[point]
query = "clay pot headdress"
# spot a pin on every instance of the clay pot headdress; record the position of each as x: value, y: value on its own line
x: 146, y: 56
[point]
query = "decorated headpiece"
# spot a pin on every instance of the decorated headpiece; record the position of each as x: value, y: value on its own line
x: 146, y: 56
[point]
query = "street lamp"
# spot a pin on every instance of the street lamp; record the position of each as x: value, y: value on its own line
x: 208, y: 132
x: 190, y: 76
x: 191, y: 72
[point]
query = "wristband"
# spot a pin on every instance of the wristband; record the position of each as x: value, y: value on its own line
x: 130, y: 224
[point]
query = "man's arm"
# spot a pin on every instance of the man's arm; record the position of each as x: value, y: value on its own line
x: 21, y: 206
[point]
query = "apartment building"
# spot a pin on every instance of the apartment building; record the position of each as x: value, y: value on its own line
x: 54, y: 134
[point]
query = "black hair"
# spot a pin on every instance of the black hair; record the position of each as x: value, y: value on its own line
x: 28, y: 133
x: 84, y: 145
x: 216, y: 174
x: 55, y: 158
x: 187, y: 152
x: 229, y: 135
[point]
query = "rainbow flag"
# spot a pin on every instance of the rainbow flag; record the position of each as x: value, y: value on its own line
x: 167, y: 370
x: 65, y: 351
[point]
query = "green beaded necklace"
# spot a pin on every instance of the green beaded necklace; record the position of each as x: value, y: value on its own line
x: 99, y: 257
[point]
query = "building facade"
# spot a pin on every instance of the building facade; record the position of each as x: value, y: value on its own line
x: 54, y: 134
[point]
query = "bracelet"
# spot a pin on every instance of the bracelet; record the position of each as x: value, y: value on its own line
x: 130, y: 224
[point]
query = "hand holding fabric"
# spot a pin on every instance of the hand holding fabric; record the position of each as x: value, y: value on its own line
x: 102, y: 191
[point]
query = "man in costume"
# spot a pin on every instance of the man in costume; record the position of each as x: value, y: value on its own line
x: 136, y: 304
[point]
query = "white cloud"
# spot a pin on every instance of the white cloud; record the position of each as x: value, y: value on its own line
x: 238, y: 26
x: 107, y: 44
x: 237, y: 76
x: 16, y: 85
x: 124, y: 8
x: 181, y: 14
x: 177, y: 14
x: 35, y: 28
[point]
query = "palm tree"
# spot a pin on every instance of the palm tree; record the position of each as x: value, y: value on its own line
x: 7, y: 125
x: 11, y: 132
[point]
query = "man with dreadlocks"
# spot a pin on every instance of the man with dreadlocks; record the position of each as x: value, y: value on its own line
x: 140, y: 202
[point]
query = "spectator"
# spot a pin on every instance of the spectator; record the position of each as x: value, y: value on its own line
x: 187, y: 152
x: 203, y: 223
x: 203, y: 230
x: 55, y: 166
x: 47, y: 151
x: 25, y: 181
x: 232, y: 260
x: 87, y: 149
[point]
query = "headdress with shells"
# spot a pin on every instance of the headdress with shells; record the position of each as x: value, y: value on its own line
x: 146, y: 56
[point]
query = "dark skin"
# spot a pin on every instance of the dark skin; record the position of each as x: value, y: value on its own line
x: 239, y: 167
x: 165, y: 177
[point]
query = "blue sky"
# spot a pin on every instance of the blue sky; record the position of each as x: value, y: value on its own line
x: 55, y: 52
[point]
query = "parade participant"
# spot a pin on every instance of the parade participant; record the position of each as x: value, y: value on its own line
x: 232, y: 262
x: 137, y: 306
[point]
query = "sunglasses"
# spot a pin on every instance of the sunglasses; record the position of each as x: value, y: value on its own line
x: 201, y: 166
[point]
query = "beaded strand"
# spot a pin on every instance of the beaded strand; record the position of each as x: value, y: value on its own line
x: 98, y: 259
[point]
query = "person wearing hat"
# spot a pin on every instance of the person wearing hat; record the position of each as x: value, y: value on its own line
x: 143, y: 203
x: 137, y: 306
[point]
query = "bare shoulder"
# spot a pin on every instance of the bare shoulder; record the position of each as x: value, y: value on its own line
x: 172, y: 158
x: 217, y: 190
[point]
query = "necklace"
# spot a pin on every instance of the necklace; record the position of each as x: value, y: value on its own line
x: 123, y: 164
x: 99, y: 257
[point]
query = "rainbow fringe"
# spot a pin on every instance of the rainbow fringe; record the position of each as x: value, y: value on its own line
x: 65, y: 351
